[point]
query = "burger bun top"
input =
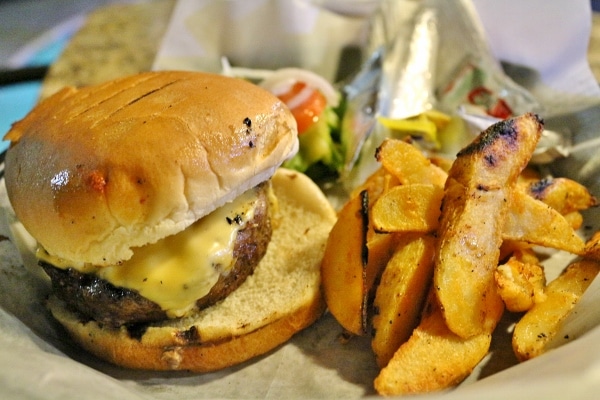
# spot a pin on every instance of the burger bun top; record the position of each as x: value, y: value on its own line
x: 93, y: 172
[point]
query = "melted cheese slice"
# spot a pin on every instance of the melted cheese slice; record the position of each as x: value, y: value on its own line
x: 180, y: 269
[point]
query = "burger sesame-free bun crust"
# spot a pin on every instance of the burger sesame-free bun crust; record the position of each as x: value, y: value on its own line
x: 282, y: 297
x: 93, y: 172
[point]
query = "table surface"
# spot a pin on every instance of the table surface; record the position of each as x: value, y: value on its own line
x: 116, y: 40
x: 594, y: 46
x: 24, y: 21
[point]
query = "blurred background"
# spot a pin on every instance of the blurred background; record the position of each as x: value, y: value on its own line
x: 34, y: 33
x: 22, y: 21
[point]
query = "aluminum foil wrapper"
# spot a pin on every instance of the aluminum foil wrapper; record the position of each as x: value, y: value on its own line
x: 434, y: 54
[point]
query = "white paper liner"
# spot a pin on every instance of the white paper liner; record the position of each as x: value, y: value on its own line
x: 37, y: 360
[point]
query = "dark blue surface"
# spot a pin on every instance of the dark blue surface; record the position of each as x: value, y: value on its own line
x: 15, y: 102
x: 18, y: 99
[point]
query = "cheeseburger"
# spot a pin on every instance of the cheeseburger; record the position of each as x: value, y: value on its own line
x: 170, y: 235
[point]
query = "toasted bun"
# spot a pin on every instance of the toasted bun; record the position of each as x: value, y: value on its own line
x: 282, y: 297
x: 93, y: 172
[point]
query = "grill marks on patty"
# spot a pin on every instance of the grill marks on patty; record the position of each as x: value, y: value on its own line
x: 97, y: 299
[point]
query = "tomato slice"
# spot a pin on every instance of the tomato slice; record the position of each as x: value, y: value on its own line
x: 306, y: 104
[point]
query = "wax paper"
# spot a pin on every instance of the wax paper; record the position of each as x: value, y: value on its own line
x: 38, y: 360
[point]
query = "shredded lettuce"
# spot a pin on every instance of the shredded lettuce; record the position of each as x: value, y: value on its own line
x: 320, y: 154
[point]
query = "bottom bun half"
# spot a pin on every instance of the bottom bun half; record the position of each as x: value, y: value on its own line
x: 282, y: 297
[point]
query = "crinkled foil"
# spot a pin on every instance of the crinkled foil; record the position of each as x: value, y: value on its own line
x: 434, y: 54
x: 408, y: 70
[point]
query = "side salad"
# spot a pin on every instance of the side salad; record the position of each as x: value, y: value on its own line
x: 334, y: 136
x: 318, y: 108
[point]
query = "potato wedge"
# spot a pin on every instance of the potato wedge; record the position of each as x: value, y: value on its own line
x: 592, y: 247
x: 409, y: 164
x: 474, y: 212
x: 520, y: 283
x: 400, y: 295
x: 566, y: 196
x: 408, y: 208
x: 563, y: 194
x: 433, y: 358
x: 343, y: 268
x: 353, y: 259
x: 529, y: 175
x: 542, y: 322
x: 443, y: 162
x: 376, y: 184
x: 416, y: 208
x: 575, y: 219
x: 533, y: 221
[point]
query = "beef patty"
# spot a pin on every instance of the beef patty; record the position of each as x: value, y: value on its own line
x: 97, y: 299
